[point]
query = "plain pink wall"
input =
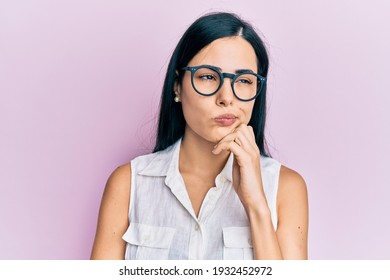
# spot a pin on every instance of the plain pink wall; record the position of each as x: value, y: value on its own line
x: 80, y: 84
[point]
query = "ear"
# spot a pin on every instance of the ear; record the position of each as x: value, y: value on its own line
x: 177, y: 86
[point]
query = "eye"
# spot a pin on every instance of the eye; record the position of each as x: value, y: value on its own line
x: 244, y: 81
x: 207, y: 77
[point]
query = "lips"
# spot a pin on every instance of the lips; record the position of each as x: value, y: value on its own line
x: 225, y: 119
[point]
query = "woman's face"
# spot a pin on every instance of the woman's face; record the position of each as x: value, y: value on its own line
x: 205, y: 115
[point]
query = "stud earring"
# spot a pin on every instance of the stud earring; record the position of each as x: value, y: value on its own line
x: 176, y: 99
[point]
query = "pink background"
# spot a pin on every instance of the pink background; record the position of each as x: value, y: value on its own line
x: 80, y: 83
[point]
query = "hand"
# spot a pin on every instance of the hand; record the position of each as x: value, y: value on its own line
x: 247, y: 180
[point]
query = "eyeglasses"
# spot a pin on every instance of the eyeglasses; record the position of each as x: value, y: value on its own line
x: 207, y: 80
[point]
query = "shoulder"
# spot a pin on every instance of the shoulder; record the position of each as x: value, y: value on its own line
x: 116, y: 196
x: 120, y: 178
x: 290, y: 183
x: 292, y: 197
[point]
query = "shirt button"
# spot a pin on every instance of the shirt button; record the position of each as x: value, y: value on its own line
x: 223, y: 179
x: 197, y: 227
x: 145, y: 237
x: 250, y: 241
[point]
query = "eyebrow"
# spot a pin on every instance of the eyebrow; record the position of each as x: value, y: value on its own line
x: 238, y: 71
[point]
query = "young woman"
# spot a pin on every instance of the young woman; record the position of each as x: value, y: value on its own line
x: 209, y: 190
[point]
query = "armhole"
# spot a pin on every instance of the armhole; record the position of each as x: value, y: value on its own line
x: 276, y: 184
x: 132, y: 188
x: 271, y: 168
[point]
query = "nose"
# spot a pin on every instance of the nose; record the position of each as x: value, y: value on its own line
x: 225, y: 95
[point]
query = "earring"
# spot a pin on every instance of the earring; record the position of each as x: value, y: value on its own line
x: 176, y: 99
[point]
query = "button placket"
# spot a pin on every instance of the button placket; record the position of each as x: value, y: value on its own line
x: 196, y: 242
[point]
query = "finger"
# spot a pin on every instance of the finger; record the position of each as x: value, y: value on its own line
x: 248, y: 132
x: 229, y: 137
x: 233, y: 147
x: 241, y: 136
x: 246, y: 136
x: 233, y: 135
x: 236, y: 137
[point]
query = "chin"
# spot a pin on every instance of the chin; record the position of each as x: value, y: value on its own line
x: 219, y: 135
x: 223, y: 131
x: 213, y: 135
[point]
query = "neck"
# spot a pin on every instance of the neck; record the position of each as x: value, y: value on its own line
x: 196, y: 157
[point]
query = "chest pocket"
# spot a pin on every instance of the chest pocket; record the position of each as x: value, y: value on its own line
x: 237, y: 243
x: 146, y: 242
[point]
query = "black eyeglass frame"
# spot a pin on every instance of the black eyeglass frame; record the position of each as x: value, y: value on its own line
x: 262, y: 80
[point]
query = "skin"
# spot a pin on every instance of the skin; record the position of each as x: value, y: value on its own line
x: 205, y: 149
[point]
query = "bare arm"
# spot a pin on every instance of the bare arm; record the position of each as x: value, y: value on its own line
x: 292, y: 205
x: 290, y: 239
x: 113, y: 216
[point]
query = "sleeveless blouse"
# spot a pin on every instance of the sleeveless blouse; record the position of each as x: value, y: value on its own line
x: 162, y: 222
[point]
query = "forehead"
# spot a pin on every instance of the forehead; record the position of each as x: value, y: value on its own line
x: 229, y: 53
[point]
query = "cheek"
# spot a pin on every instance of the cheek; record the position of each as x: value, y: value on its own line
x: 247, y: 110
x: 194, y: 106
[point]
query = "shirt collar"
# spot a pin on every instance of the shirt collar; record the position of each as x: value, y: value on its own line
x: 227, y: 170
x: 163, y: 162
x: 167, y: 161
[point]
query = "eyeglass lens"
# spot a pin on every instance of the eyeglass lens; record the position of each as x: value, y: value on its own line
x: 207, y: 81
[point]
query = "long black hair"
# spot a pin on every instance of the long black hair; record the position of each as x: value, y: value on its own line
x: 202, y: 32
